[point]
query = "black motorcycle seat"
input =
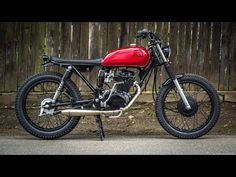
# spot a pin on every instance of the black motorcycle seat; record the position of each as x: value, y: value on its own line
x: 76, y: 62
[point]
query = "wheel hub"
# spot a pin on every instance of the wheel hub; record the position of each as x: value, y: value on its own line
x: 45, y: 107
x: 185, y: 112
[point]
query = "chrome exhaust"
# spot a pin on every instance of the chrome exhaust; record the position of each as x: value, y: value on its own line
x: 112, y: 113
x: 83, y: 112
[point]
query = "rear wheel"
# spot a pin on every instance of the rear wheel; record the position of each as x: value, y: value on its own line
x: 193, y: 123
x: 35, y: 92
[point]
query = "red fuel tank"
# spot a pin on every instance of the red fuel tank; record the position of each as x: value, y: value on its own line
x: 131, y: 56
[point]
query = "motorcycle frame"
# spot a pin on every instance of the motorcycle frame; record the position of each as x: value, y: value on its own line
x: 155, y: 59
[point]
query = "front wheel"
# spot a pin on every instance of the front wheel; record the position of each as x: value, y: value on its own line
x: 183, y: 123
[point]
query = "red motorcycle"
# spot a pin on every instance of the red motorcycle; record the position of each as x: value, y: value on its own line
x: 49, y: 104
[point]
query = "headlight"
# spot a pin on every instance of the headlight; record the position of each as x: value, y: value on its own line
x: 166, y: 51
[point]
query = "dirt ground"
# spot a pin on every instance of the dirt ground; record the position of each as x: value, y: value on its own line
x: 138, y: 120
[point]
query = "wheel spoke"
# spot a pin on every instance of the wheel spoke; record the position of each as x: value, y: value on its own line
x: 181, y: 121
x: 204, y: 114
x: 66, y: 94
x: 196, y: 119
x: 186, y: 123
x: 33, y: 101
x: 172, y: 110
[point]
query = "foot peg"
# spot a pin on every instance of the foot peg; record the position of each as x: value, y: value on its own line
x: 100, y: 131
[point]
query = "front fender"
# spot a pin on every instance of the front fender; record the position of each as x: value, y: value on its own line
x: 169, y: 80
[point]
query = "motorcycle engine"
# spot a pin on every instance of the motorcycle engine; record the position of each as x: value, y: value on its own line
x: 118, y: 100
x: 118, y: 97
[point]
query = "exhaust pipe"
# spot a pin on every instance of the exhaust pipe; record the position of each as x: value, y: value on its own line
x: 117, y: 113
x: 82, y: 112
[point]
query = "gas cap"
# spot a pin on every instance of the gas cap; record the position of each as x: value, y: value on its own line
x: 132, y: 45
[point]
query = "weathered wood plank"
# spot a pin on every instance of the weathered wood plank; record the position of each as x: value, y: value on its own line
x: 124, y: 33
x: 188, y: 47
x: 181, y: 46
x: 113, y: 35
x: 10, y: 66
x: 93, y: 48
x: 205, y: 64
x: 66, y: 51
x: 75, y: 43
x: 174, y: 38
x: 203, y: 49
x: 164, y: 37
x: 151, y: 27
x: 132, y: 32
x: 38, y: 45
x: 75, y: 46
x: 60, y: 41
x: 232, y: 58
x: 31, y: 48
x: 24, y: 51
x: 103, y: 48
x: 3, y: 29
x: 165, y: 32
x: 34, y: 34
x: 84, y: 29
x: 204, y: 45
x: 215, y: 54
x: 224, y: 64
x: 200, y: 52
x: 53, y: 39
x: 194, y: 54
x: 17, y: 47
x: 84, y: 34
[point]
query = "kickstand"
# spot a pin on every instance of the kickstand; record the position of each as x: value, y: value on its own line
x: 100, y: 127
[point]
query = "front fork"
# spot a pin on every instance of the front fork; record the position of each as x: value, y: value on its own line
x: 178, y: 87
x: 174, y: 79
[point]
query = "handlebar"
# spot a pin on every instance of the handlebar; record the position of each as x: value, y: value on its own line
x: 146, y: 33
x: 142, y: 33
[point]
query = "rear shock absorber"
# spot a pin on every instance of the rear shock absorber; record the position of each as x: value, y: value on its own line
x: 66, y: 75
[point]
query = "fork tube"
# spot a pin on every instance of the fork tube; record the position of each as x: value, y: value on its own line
x: 182, y: 95
x: 66, y: 75
x: 178, y: 87
x: 172, y: 76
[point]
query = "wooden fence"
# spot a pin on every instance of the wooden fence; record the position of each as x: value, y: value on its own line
x: 205, y: 48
